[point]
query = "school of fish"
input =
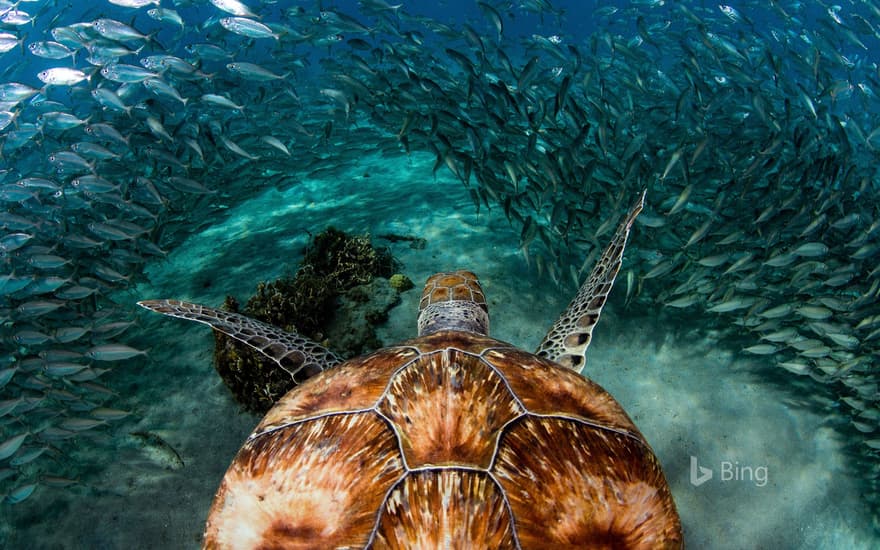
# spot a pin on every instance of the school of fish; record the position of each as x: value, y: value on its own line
x: 127, y: 124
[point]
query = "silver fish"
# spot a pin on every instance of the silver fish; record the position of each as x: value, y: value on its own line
x: 9, y: 41
x: 62, y: 76
x: 252, y: 71
x: 120, y: 72
x: 115, y: 30
x: 11, y: 445
x: 247, y: 27
x: 113, y: 352
x: 234, y: 7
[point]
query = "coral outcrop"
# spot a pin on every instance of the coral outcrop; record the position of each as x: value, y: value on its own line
x: 339, y: 294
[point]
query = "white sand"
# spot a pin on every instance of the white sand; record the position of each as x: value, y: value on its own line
x: 690, y: 397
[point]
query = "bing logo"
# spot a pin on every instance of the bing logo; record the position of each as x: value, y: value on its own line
x: 729, y: 471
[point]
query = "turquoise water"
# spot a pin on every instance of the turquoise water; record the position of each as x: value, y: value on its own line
x: 754, y: 128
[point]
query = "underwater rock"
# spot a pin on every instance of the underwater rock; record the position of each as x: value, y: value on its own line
x: 400, y: 282
x: 296, y: 304
x: 338, y: 295
x: 352, y: 331
x: 346, y: 261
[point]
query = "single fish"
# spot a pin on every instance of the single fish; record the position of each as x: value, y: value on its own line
x: 62, y: 76
x: 158, y: 450
x: 811, y: 250
x: 221, y: 101
x: 9, y: 41
x: 21, y: 493
x: 163, y: 89
x: 252, y: 71
x: 234, y: 7
x: 120, y: 72
x: 110, y: 100
x: 113, y: 352
x: 166, y: 15
x: 134, y: 3
x: 115, y: 30
x: 11, y: 445
x: 49, y: 49
x: 247, y: 27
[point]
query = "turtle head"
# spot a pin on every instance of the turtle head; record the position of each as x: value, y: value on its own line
x: 453, y: 301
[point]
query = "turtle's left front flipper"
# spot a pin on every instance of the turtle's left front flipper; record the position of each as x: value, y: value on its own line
x: 567, y: 341
x: 296, y: 354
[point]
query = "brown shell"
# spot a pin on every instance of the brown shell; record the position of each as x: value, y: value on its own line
x: 451, y: 440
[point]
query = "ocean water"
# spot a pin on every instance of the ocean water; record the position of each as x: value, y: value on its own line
x: 793, y: 463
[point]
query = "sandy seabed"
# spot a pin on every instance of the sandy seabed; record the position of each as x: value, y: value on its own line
x: 781, y: 478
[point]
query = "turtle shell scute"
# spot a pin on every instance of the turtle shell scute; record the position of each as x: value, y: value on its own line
x: 545, y: 388
x: 357, y: 384
x: 321, y: 481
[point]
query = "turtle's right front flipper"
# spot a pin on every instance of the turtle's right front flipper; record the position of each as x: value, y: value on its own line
x: 567, y: 341
x: 295, y: 354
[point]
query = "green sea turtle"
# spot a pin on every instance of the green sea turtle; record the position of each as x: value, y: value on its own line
x: 450, y: 440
